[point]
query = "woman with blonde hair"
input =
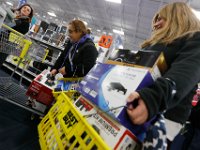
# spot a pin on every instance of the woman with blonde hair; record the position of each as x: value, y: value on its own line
x: 176, y: 32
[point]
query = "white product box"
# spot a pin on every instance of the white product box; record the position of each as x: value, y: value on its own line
x: 113, y: 133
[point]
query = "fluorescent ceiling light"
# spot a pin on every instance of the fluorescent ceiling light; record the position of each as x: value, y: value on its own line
x: 9, y: 3
x: 197, y: 13
x: 51, y: 14
x: 118, y: 31
x: 114, y: 1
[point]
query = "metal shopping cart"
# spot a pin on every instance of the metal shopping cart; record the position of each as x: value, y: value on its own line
x: 14, y: 43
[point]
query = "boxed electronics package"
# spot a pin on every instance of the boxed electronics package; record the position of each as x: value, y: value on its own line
x: 41, y: 88
x: 65, y: 85
x: 108, y: 86
x: 114, y: 134
x: 154, y: 60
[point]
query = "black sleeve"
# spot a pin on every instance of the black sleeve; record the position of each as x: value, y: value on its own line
x: 184, y: 71
x: 22, y: 26
x: 194, y: 115
x: 60, y: 59
x: 88, y: 56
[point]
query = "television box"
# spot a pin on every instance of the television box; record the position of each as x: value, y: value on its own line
x: 114, y: 134
x: 41, y: 90
x: 108, y: 86
x: 153, y: 60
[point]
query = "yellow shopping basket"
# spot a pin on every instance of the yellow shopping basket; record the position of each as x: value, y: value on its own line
x: 65, y: 128
x: 13, y: 42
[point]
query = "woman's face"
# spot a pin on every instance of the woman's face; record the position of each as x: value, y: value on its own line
x: 159, y: 23
x: 74, y: 35
x: 25, y: 11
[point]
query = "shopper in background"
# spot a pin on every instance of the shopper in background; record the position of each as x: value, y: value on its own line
x: 80, y: 53
x: 176, y: 32
x: 22, y: 21
x: 23, y: 18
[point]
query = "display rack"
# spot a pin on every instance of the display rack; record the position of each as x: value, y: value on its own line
x: 14, y: 43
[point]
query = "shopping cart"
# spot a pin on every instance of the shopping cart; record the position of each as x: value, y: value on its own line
x: 65, y: 128
x: 14, y: 43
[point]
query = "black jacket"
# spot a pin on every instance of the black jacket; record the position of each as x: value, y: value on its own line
x: 83, y: 60
x: 195, y: 115
x: 183, y: 60
x: 22, y: 25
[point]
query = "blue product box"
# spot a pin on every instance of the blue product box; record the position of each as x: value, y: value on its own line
x: 59, y: 86
x: 108, y: 86
x: 66, y: 86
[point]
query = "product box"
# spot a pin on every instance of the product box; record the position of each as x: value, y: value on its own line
x: 153, y: 60
x: 108, y: 86
x: 65, y: 85
x: 41, y: 88
x: 114, y: 134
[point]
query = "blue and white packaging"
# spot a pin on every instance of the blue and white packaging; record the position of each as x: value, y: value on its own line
x: 108, y: 86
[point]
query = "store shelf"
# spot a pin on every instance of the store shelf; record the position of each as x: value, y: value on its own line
x: 47, y: 43
x: 10, y: 67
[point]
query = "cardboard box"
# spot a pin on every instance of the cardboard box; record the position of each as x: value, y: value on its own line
x: 63, y: 85
x: 153, y: 60
x: 114, y: 134
x: 108, y: 86
x: 40, y: 90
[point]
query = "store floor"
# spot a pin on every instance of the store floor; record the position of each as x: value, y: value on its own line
x: 17, y: 130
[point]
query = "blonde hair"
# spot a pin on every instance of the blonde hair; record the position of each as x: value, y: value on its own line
x: 179, y: 21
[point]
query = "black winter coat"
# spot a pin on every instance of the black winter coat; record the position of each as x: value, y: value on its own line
x: 83, y: 60
x: 22, y: 25
x: 183, y: 60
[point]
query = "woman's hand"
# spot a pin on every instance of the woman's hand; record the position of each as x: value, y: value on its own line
x: 53, y: 72
x: 62, y: 71
x: 139, y: 114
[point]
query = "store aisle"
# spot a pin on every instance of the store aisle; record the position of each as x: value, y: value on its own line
x: 17, y: 130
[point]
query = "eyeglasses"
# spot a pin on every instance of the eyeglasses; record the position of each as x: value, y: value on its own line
x: 70, y: 31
